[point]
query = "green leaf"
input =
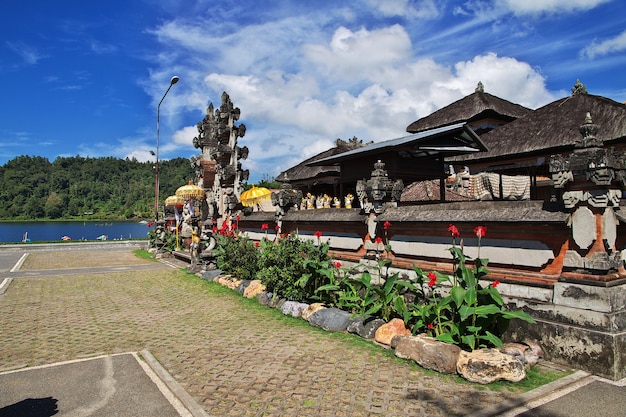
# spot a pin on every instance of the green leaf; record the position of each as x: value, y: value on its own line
x: 469, y: 340
x: 327, y: 287
x: 465, y: 311
x: 486, y: 310
x: 389, y: 283
x: 492, y: 338
x: 470, y: 296
x: 445, y: 337
x: 518, y: 314
x: 458, y: 254
x: 365, y: 279
x: 373, y: 310
x: 468, y: 277
x: 457, y: 294
x: 406, y: 284
x: 494, y: 294
x: 418, y: 271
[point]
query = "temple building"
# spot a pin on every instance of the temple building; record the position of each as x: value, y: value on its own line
x: 548, y: 185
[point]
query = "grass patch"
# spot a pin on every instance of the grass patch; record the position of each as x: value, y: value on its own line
x: 144, y: 254
x: 536, y: 376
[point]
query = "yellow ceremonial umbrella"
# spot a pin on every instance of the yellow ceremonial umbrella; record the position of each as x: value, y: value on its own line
x: 174, y: 200
x: 255, y: 195
x: 190, y: 191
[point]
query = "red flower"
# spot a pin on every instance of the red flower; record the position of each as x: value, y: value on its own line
x: 433, y: 279
x: 264, y: 226
x: 277, y: 228
x: 430, y: 326
x: 256, y: 244
x: 480, y: 231
x: 337, y: 264
x: 455, y: 232
x: 495, y: 283
x: 150, y: 224
x: 238, y: 218
x: 379, y: 240
x: 386, y: 225
x: 317, y: 234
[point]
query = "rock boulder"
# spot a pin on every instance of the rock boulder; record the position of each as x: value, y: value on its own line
x: 484, y: 366
x: 331, y: 319
x: 388, y: 331
x: 428, y: 352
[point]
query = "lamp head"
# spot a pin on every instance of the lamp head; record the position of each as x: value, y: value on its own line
x: 174, y: 80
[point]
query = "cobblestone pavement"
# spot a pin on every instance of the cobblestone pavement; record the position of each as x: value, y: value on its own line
x: 234, y: 357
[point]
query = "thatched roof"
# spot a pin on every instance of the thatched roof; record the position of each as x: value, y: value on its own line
x: 554, y: 128
x: 477, y: 106
x: 428, y: 190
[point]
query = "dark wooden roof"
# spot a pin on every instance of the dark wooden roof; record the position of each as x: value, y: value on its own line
x: 304, y: 172
x: 554, y: 128
x: 446, y: 140
x: 478, y: 105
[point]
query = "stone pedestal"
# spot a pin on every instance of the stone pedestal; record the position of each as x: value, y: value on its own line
x: 583, y: 327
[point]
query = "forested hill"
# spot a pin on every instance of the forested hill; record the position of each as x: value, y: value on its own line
x: 32, y: 187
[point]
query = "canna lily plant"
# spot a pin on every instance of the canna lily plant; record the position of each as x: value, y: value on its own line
x: 468, y: 314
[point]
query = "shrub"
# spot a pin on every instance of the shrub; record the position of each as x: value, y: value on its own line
x: 235, y: 253
x: 284, y: 262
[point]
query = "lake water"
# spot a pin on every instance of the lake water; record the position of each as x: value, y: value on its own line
x: 88, y: 230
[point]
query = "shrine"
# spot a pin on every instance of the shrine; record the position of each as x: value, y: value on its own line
x: 546, y: 183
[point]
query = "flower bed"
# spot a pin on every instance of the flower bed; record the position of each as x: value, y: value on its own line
x: 447, y: 323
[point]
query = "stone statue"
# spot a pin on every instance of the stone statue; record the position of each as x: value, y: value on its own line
x: 186, y: 223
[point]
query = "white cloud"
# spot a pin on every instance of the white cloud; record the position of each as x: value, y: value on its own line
x: 405, y: 8
x: 303, y: 125
x: 29, y: 54
x: 185, y: 135
x: 504, y: 77
x: 103, y: 48
x: 351, y: 55
x: 606, y: 47
x: 551, y: 6
x: 141, y: 155
x: 301, y: 82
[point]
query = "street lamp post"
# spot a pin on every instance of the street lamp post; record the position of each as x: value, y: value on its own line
x: 173, y: 81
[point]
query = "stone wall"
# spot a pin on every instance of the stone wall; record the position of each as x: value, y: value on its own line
x: 581, y: 318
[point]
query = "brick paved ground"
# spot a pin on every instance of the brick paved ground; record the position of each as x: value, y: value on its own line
x: 233, y: 356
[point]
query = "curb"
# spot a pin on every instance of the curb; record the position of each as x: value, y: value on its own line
x: 5, y: 284
x: 188, y: 402
x: 573, y: 381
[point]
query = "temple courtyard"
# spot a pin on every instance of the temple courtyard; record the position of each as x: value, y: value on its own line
x: 142, y: 331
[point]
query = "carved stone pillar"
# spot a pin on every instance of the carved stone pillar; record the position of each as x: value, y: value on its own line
x: 373, y: 195
x: 592, y: 177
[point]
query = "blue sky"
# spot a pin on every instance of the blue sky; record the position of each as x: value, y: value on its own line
x: 85, y: 78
